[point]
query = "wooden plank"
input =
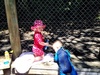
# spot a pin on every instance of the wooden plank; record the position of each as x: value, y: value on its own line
x: 10, y: 7
x: 51, y: 68
x: 47, y: 68
x: 43, y: 72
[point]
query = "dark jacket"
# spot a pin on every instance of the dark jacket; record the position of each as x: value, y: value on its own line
x: 62, y: 58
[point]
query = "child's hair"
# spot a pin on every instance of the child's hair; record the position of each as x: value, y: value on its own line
x: 54, y: 40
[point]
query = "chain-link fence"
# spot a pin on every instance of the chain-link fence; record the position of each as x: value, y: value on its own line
x: 74, y: 22
x: 4, y: 37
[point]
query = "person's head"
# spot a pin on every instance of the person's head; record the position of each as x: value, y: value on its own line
x: 57, y: 45
x: 38, y: 26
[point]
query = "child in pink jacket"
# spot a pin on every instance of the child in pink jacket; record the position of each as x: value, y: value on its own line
x: 39, y: 43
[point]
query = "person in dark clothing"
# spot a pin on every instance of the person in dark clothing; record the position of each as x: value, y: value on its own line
x: 62, y: 58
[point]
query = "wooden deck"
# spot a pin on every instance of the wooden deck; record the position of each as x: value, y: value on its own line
x: 51, y: 68
x: 43, y: 68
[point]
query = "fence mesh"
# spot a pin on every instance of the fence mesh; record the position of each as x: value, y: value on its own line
x: 74, y: 22
x: 4, y: 37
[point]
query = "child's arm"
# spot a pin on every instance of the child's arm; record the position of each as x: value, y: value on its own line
x: 45, y: 44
